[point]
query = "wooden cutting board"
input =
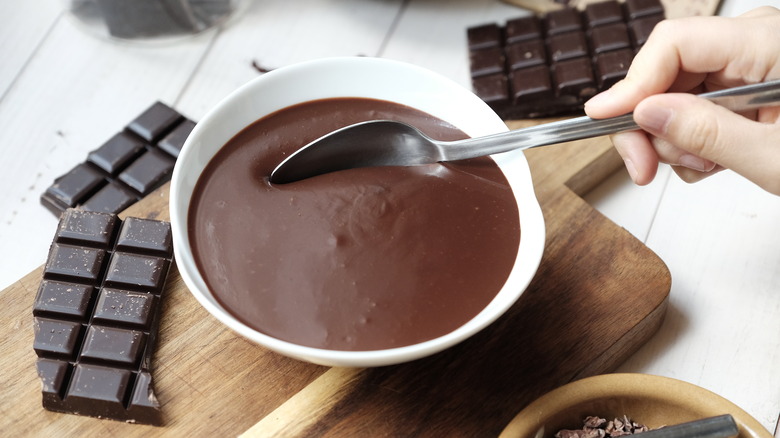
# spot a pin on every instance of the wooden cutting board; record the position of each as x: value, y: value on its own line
x: 599, y: 294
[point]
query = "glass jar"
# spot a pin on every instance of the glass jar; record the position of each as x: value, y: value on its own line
x: 150, y: 20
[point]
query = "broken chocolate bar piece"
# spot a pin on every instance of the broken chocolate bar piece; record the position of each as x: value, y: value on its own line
x: 549, y: 65
x: 127, y: 167
x: 97, y: 313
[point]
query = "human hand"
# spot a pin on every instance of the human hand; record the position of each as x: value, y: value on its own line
x: 697, y: 137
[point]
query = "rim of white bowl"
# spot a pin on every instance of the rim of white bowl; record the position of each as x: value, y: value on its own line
x: 513, y: 164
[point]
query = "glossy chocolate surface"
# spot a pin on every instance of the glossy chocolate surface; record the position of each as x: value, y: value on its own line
x: 361, y: 259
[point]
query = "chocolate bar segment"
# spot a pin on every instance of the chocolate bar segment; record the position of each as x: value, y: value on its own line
x: 97, y: 313
x: 127, y: 167
x: 548, y: 65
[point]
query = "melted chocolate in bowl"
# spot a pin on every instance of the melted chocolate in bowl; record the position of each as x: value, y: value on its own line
x: 362, y: 259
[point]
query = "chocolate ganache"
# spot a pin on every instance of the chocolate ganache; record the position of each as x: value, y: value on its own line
x: 361, y: 259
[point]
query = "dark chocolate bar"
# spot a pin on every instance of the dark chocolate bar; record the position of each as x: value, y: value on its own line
x: 96, y: 315
x: 125, y: 168
x: 547, y: 65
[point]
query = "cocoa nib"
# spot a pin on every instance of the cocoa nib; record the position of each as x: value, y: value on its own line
x: 597, y: 427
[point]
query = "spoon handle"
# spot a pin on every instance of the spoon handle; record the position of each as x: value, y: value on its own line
x: 722, y: 426
x: 735, y: 99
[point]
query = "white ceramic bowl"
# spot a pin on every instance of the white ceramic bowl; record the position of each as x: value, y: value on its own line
x: 353, y: 77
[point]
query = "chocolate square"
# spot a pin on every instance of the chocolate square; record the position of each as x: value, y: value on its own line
x: 641, y: 28
x: 88, y: 229
x: 154, y: 123
x: 562, y: 21
x: 609, y: 37
x: 112, y: 198
x: 526, y: 54
x: 612, y: 67
x: 74, y: 263
x: 567, y: 46
x: 66, y: 300
x: 56, y: 338
x: 642, y: 8
x: 601, y: 13
x: 574, y: 78
x: 522, y: 29
x: 492, y: 89
x: 481, y: 37
x: 148, y: 172
x: 531, y: 83
x: 72, y: 188
x: 487, y: 61
x: 116, y: 153
x: 173, y: 142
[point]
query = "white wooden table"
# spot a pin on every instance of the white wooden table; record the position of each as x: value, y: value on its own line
x: 63, y: 92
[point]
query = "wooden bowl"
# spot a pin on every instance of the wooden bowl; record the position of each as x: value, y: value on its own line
x: 650, y: 400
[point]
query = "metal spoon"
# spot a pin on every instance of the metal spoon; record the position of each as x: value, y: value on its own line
x: 391, y: 143
x: 722, y: 426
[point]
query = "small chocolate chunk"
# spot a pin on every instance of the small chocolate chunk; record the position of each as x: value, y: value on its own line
x: 125, y: 168
x: 97, y: 313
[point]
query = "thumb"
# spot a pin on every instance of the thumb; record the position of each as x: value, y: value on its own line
x: 710, y: 131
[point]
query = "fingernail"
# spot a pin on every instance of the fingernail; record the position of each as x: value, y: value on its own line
x: 654, y: 118
x: 599, y: 98
x: 696, y: 163
x: 630, y: 168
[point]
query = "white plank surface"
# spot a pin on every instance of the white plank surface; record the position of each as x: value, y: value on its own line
x: 277, y: 33
x: 62, y: 93
x: 75, y: 93
x: 24, y: 26
x: 719, y: 238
